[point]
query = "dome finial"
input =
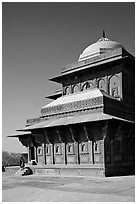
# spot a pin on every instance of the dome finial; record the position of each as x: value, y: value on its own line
x: 104, y: 34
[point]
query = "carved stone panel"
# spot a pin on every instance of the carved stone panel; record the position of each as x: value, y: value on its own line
x: 73, y: 106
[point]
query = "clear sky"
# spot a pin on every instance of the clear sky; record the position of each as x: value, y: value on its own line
x: 38, y: 40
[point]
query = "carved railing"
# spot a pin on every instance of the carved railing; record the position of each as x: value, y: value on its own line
x: 72, y: 107
x: 32, y: 121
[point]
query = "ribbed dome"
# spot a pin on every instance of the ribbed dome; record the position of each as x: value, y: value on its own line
x: 103, y: 45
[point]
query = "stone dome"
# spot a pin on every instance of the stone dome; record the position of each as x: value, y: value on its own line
x: 103, y: 45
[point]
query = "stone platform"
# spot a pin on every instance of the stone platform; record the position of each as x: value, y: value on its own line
x: 63, y: 170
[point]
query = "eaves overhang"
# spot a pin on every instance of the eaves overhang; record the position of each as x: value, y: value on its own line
x: 17, y: 135
x: 80, y: 70
x: 78, y: 67
x: 54, y: 96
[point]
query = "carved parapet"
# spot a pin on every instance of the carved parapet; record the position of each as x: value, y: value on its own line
x: 32, y: 121
x: 73, y: 106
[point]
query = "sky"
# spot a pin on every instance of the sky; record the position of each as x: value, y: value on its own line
x: 39, y: 39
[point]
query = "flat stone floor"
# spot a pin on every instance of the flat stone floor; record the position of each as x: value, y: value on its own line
x: 39, y: 188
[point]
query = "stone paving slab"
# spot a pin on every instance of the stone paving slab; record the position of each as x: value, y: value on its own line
x: 26, y: 194
x: 36, y: 188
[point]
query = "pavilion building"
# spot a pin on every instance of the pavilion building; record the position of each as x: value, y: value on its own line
x: 89, y: 126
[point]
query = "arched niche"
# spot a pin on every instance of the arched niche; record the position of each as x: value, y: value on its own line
x: 87, y: 85
x: 67, y: 90
x: 114, y: 86
x: 75, y: 88
x: 102, y: 84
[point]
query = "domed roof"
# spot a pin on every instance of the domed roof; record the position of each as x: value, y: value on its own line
x: 103, y: 45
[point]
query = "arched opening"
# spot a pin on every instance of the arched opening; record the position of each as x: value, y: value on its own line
x: 87, y: 85
x: 67, y: 90
x: 114, y: 86
x: 102, y: 84
x: 75, y: 89
x: 83, y: 147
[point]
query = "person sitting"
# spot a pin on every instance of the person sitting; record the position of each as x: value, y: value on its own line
x: 22, y: 163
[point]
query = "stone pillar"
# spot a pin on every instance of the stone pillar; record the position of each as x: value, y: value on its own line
x: 90, y: 152
x: 107, y: 89
x: 76, y: 147
x: 62, y: 147
x: 28, y: 151
x: 43, y: 153
x: 120, y: 85
x: 35, y: 153
x: 63, y: 152
x: 52, y: 154
x: 103, y: 152
x: 90, y: 159
x: 112, y: 152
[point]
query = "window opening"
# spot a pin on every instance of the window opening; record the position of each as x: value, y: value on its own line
x: 115, y: 92
x: 96, y: 147
x: 39, y: 151
x: 47, y: 150
x: 57, y: 149
x: 69, y: 148
x: 83, y: 148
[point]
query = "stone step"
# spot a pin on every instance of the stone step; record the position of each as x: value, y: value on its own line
x: 60, y: 171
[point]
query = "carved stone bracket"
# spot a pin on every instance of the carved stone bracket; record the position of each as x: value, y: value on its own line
x: 86, y: 133
x: 47, y: 139
x: 132, y: 131
x: 59, y: 135
x: 72, y: 134
x: 26, y: 140
x: 38, y: 137
x: 104, y: 131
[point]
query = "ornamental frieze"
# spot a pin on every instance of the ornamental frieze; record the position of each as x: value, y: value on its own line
x: 73, y: 106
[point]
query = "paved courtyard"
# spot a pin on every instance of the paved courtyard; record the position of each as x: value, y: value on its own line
x: 39, y: 188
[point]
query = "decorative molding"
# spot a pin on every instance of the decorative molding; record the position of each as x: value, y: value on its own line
x: 32, y: 121
x: 74, y: 106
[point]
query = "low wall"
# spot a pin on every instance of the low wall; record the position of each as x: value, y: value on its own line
x: 60, y: 170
